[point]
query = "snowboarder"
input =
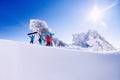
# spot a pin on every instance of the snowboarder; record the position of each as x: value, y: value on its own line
x: 32, y: 36
x: 48, y: 37
x: 32, y: 39
x: 40, y: 39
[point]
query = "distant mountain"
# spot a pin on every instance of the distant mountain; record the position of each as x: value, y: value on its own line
x: 92, y: 40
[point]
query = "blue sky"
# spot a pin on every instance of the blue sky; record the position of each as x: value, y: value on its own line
x: 64, y: 17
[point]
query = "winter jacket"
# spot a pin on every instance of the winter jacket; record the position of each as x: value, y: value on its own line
x: 32, y: 37
x: 48, y: 38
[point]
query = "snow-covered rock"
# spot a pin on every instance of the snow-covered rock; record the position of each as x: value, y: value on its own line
x: 92, y: 40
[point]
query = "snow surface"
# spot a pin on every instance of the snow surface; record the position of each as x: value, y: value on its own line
x: 21, y: 61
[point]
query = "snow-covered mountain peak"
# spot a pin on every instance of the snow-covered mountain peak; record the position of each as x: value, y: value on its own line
x: 93, y: 40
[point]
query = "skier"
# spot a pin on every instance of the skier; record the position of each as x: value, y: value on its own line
x: 32, y: 39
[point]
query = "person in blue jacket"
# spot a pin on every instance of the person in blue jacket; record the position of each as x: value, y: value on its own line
x: 32, y: 37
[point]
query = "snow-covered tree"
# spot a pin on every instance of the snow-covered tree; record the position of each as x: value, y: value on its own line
x: 58, y: 42
x: 92, y: 40
x: 39, y: 26
x: 80, y: 39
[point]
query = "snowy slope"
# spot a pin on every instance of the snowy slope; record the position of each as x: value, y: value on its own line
x: 20, y: 61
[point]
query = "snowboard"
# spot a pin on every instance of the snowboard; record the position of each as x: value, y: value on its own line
x: 32, y: 33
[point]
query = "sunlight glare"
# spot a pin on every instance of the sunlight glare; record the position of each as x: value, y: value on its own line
x: 95, y: 14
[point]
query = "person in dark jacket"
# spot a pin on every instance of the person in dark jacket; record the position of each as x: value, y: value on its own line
x: 40, y: 39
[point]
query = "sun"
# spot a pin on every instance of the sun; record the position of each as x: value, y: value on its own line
x: 95, y: 14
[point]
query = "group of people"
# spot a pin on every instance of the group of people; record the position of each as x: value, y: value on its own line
x: 47, y: 39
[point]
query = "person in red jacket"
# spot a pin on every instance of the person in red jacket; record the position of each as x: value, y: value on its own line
x: 48, y: 37
x: 48, y: 40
